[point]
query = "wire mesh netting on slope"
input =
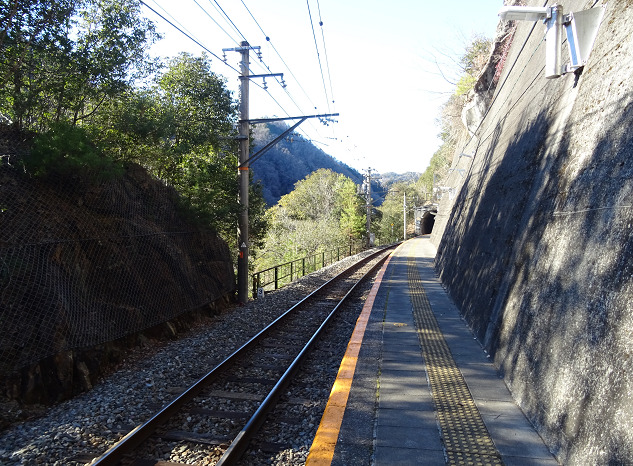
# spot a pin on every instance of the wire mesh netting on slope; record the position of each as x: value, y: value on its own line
x: 84, y: 264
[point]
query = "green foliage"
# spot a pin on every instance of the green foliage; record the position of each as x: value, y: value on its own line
x: 258, y: 222
x: 188, y: 111
x: 64, y: 58
x: 390, y: 227
x: 322, y: 213
x: 472, y: 63
x: 134, y: 127
x: 465, y: 84
x: 180, y: 129
x: 315, y: 197
x: 290, y: 160
x: 197, y: 103
x: 70, y: 73
x: 66, y: 150
x: 475, y: 55
x: 438, y: 167
x: 352, y: 217
x: 202, y: 181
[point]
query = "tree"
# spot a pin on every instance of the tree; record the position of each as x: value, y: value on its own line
x: 109, y: 53
x: 187, y: 113
x: 64, y: 58
x: 200, y: 106
x: 71, y: 75
x: 390, y: 226
x: 322, y: 213
x: 472, y: 62
x: 297, y: 156
x: 476, y: 55
x: 134, y: 127
x: 181, y: 129
x: 33, y: 36
x: 352, y: 219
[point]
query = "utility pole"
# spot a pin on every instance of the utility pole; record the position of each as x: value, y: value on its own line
x: 368, y: 205
x: 245, y: 159
x: 243, y: 167
x: 404, y: 209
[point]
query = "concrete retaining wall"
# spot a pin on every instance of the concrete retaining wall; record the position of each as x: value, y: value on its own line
x: 536, y: 248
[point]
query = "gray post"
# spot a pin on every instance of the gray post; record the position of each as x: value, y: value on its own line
x: 368, y: 208
x: 242, y: 261
x: 404, y: 209
x: 553, y: 41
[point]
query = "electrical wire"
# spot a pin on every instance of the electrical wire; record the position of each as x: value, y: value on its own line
x: 173, y: 19
x: 228, y: 18
x: 231, y: 23
x: 292, y: 99
x: 190, y: 37
x: 327, y: 62
x: 216, y: 23
x: 316, y: 46
x: 179, y: 27
x: 279, y: 55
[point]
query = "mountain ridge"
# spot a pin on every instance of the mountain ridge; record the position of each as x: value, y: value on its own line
x: 290, y: 160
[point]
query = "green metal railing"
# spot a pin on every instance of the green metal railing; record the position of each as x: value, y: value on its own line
x: 275, y: 277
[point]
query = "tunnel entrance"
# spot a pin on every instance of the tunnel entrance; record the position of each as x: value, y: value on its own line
x: 427, y: 223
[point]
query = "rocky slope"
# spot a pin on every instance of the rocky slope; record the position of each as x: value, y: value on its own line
x: 85, y: 267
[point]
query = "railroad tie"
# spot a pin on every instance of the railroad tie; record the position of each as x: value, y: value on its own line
x: 466, y: 439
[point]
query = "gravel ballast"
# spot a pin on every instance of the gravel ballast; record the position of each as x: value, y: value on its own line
x: 75, y: 431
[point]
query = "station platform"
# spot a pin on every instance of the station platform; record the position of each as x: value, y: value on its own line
x: 415, y: 387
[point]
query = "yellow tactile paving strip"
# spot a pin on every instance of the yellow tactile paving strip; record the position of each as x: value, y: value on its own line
x: 322, y: 449
x: 465, y: 437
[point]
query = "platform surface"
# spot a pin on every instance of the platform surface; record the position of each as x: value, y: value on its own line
x: 423, y: 390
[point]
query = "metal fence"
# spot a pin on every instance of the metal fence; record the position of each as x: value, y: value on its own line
x: 83, y: 264
x: 275, y: 277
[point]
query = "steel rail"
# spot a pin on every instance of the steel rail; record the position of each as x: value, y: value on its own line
x: 239, y: 445
x: 140, y: 433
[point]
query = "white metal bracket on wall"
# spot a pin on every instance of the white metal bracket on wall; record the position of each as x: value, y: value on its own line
x: 581, y: 29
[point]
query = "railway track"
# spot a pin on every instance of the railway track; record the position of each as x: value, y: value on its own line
x: 220, y: 414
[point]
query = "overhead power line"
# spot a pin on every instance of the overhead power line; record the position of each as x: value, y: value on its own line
x: 268, y: 39
x: 171, y: 16
x: 189, y: 36
x: 265, y: 88
x: 327, y: 62
x: 180, y: 28
x: 290, y: 96
x: 229, y: 20
x: 318, y: 55
x: 174, y: 23
x: 216, y: 23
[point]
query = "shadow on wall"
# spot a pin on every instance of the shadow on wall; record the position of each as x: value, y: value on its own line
x: 565, y: 338
x: 540, y: 260
x: 476, y: 249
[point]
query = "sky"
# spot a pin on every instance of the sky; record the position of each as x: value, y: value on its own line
x: 377, y: 63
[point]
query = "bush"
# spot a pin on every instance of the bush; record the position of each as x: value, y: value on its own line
x: 67, y: 150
